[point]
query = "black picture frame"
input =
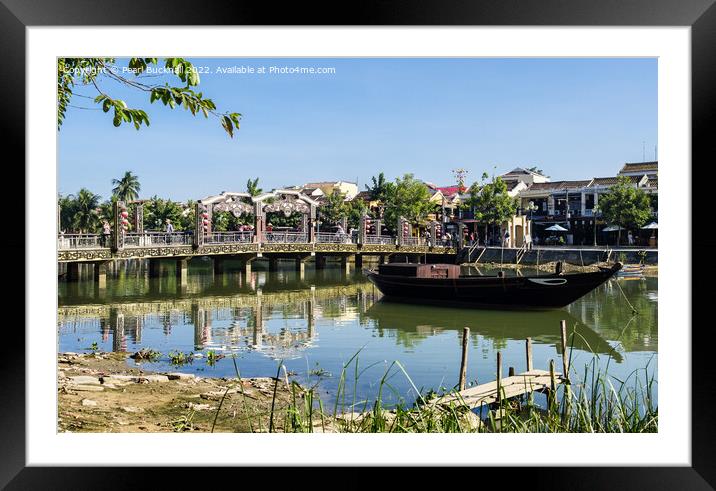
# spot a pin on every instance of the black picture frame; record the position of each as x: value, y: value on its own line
x: 16, y: 15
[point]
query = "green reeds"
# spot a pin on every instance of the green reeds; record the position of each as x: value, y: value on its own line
x: 598, y: 403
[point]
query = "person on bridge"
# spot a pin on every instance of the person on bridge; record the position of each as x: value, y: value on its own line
x: 106, y: 232
x: 170, y: 227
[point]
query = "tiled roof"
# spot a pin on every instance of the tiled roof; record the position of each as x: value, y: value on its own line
x: 640, y: 167
x: 610, y: 181
x: 558, y: 185
x: 364, y: 195
x: 449, y: 190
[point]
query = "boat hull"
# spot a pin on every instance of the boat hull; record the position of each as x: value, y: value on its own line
x: 537, y: 292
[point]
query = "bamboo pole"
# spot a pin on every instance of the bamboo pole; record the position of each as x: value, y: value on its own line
x: 499, y: 377
x: 528, y: 353
x: 463, y: 362
x: 565, y: 361
x: 553, y: 383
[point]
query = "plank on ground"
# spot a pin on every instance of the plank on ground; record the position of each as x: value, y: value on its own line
x: 513, y: 386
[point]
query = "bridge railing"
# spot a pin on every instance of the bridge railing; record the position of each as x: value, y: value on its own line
x: 80, y: 241
x: 229, y: 237
x: 148, y: 239
x: 333, y: 238
x: 414, y: 241
x: 379, y: 239
x: 285, y: 237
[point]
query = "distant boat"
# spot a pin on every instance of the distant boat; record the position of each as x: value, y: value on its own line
x: 632, y: 271
x: 443, y: 284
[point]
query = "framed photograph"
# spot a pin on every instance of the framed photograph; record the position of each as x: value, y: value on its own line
x: 437, y: 224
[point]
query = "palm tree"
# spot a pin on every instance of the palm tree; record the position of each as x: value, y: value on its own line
x: 127, y: 188
x: 252, y: 187
x: 85, y: 216
x: 378, y: 189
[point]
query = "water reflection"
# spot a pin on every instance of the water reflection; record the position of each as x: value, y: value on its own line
x: 324, y: 317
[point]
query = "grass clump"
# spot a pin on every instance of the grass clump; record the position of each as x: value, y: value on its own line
x: 179, y: 358
x: 598, y: 403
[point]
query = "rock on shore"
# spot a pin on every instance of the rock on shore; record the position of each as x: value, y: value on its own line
x: 100, y: 392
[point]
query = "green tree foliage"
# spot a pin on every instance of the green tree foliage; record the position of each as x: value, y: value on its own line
x: 279, y: 219
x: 379, y: 191
x: 66, y: 204
x: 654, y: 202
x: 97, y: 73
x: 491, y: 202
x: 380, y: 188
x: 252, y: 187
x: 409, y: 198
x: 356, y: 210
x: 158, y: 210
x: 80, y: 213
x: 625, y: 205
x: 127, y: 187
x: 334, y: 209
x: 188, y: 216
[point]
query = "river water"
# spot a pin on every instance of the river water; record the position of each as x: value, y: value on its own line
x: 317, y: 323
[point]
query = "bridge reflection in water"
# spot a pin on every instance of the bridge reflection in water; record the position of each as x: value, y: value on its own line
x: 278, y: 315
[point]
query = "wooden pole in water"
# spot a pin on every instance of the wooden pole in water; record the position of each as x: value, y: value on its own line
x: 463, y: 362
x: 553, y: 383
x: 499, y: 376
x: 565, y: 361
x: 511, y: 372
x: 528, y: 353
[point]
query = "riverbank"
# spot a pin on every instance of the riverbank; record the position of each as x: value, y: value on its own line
x: 100, y: 392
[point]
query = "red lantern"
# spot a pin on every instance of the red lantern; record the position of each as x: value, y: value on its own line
x: 124, y: 214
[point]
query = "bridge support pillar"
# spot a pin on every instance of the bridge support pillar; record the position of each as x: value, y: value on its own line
x: 320, y: 261
x: 219, y: 264
x: 73, y: 271
x: 382, y: 259
x: 182, y: 272
x: 300, y: 267
x: 345, y: 265
x: 273, y: 264
x: 247, y: 266
x: 154, y: 269
x: 359, y: 261
x: 100, y: 274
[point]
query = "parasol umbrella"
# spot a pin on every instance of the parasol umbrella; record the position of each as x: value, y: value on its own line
x: 612, y: 228
x: 556, y: 228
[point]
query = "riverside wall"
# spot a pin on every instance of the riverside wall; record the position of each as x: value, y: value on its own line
x: 576, y: 256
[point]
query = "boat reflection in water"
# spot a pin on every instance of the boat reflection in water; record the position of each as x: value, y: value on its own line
x: 542, y: 326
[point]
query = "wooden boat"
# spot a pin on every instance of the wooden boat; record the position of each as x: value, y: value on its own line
x: 632, y: 270
x: 443, y: 284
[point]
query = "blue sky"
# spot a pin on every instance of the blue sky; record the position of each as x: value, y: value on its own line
x: 573, y: 118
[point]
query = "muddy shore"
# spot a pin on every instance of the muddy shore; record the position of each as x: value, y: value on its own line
x: 101, y: 392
